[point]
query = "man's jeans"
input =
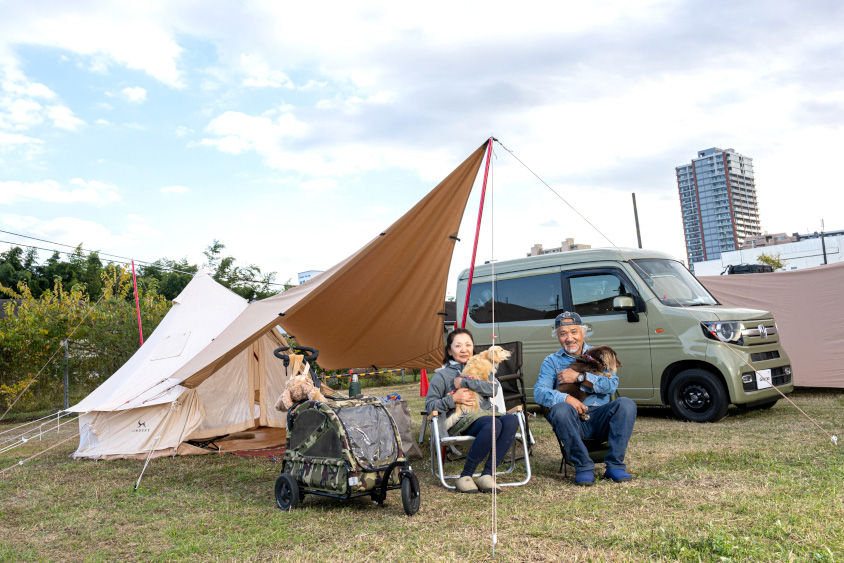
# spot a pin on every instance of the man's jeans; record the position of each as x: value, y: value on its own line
x: 614, y: 421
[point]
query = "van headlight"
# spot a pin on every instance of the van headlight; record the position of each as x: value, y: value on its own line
x: 725, y: 331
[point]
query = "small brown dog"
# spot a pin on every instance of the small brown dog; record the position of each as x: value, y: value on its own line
x: 594, y: 361
x: 480, y: 366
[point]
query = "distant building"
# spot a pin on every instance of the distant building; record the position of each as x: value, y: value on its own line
x: 568, y: 244
x: 798, y: 251
x: 718, y: 202
x: 770, y: 240
x: 305, y: 276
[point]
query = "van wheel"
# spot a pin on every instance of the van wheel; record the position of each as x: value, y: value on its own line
x: 697, y: 395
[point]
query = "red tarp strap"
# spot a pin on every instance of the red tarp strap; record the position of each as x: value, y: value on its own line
x: 477, y: 234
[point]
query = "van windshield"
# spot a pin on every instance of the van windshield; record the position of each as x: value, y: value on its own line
x: 672, y: 283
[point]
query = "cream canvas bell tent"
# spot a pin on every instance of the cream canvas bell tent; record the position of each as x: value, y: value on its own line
x: 143, y: 406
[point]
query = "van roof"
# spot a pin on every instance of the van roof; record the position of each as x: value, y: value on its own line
x: 566, y: 258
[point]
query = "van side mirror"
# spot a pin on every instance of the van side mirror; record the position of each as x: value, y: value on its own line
x: 626, y: 303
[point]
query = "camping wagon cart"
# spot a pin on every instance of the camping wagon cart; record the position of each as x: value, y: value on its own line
x: 343, y: 448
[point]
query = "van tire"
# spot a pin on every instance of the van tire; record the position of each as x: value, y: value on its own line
x: 698, y: 396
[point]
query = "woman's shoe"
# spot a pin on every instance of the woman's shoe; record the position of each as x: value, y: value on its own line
x: 466, y: 485
x: 486, y: 484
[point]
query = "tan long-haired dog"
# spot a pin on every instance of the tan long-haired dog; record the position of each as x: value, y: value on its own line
x: 594, y: 361
x: 480, y: 366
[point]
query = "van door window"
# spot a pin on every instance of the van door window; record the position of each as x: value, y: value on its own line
x: 593, y: 294
x: 517, y: 299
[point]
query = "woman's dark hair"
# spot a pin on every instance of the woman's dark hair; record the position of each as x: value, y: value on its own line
x: 450, y: 338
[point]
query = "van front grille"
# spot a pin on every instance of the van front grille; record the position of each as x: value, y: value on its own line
x: 763, y: 356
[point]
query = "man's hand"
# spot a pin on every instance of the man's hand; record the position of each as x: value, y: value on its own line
x: 578, y: 406
x: 464, y: 397
x: 567, y: 375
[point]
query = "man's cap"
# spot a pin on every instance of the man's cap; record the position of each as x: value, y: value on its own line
x: 567, y: 318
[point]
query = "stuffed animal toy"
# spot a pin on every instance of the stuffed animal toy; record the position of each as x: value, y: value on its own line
x: 595, y: 361
x: 300, y: 387
x: 480, y: 366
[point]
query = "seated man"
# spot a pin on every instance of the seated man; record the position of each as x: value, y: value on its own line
x: 607, y: 419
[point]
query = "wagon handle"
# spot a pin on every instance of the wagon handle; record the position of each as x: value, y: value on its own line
x: 286, y: 359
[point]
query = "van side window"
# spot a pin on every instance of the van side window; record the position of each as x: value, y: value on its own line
x: 517, y: 299
x: 593, y: 294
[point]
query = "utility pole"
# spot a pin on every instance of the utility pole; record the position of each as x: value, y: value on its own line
x: 636, y: 216
x: 66, y: 381
x: 823, y: 244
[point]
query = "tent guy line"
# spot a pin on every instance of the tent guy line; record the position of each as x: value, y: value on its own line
x: 832, y: 438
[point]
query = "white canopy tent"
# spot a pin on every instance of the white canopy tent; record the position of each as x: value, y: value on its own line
x: 143, y: 406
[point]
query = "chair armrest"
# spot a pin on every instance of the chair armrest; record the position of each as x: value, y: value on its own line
x: 432, y: 414
x: 508, y: 377
x: 517, y: 408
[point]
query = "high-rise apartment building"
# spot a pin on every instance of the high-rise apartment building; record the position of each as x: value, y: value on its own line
x: 718, y: 201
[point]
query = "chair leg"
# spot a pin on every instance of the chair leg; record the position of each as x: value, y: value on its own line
x: 424, y: 429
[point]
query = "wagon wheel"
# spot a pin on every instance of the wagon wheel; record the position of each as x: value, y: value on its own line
x: 410, y: 497
x: 287, y: 494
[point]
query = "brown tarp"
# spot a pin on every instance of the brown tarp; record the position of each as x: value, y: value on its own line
x: 378, y: 307
x: 808, y: 306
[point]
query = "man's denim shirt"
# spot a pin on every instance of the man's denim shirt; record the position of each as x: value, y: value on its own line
x: 545, y: 391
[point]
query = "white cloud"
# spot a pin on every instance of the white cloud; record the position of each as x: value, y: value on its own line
x: 181, y: 131
x: 21, y: 107
x: 50, y: 191
x: 260, y: 75
x: 235, y: 132
x: 136, y: 95
x: 63, y: 118
x: 103, y: 122
x: 175, y: 189
x: 9, y: 141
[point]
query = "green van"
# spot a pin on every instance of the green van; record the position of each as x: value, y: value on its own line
x: 641, y: 303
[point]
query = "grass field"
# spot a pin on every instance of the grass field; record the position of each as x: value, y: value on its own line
x: 757, y: 486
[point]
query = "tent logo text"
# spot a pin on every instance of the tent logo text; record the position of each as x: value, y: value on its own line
x: 142, y: 427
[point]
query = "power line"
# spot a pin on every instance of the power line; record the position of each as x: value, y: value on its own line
x: 126, y: 260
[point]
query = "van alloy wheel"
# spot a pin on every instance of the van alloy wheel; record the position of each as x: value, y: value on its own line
x: 698, y: 396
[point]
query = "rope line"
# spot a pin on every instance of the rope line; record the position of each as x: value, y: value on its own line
x: 26, y: 424
x: 494, y: 509
x: 21, y: 441
x: 833, y: 439
x: 38, y: 428
x: 154, y: 441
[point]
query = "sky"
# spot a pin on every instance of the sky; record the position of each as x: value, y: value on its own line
x: 295, y: 133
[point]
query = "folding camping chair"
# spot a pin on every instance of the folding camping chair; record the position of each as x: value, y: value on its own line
x: 597, y: 449
x: 509, y: 374
x: 440, y: 440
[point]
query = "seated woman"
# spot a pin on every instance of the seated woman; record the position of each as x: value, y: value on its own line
x: 447, y: 389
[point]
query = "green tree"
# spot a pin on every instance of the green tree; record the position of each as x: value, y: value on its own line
x: 247, y: 281
x: 776, y: 261
x: 102, y: 335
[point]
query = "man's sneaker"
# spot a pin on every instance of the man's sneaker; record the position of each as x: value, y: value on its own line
x: 585, y: 478
x: 617, y: 475
x: 466, y: 485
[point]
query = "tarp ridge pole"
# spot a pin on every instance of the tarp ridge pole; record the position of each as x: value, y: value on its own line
x: 477, y: 233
